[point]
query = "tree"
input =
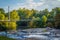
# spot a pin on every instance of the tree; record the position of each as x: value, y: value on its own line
x: 57, y: 21
x: 2, y: 19
x: 12, y: 25
x: 29, y: 13
x: 44, y: 20
x: 35, y: 22
x: 21, y: 13
x: 2, y: 16
x: 14, y: 16
x: 2, y: 10
x: 2, y: 28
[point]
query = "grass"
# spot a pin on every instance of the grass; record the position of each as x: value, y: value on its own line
x: 5, y: 38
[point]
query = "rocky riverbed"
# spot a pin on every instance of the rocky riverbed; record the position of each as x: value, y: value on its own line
x: 34, y: 34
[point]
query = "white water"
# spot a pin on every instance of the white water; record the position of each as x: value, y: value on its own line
x: 39, y: 35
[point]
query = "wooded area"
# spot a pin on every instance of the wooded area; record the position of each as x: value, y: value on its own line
x: 25, y: 18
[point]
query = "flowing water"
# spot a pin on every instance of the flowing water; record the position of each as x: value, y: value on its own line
x: 38, y: 34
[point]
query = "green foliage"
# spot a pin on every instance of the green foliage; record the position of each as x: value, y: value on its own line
x: 5, y: 38
x: 2, y: 11
x: 14, y: 16
x: 2, y: 17
x: 38, y: 18
x: 2, y: 28
x: 44, y: 19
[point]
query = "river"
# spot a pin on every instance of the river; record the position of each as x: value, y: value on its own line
x: 34, y: 33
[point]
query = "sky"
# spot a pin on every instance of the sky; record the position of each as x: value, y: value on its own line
x: 29, y: 4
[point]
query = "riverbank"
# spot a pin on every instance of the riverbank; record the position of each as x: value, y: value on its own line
x: 5, y: 38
